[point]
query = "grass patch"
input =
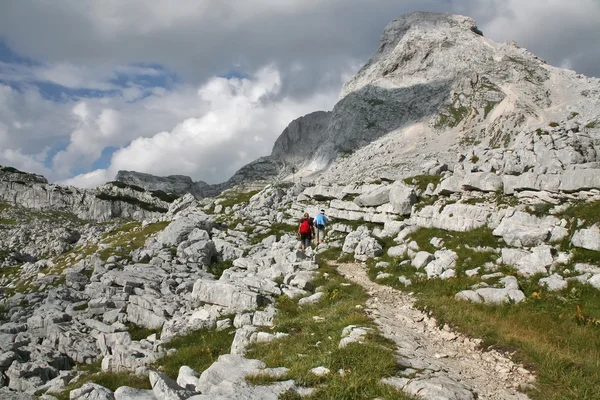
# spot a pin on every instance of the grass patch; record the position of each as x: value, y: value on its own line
x: 314, y: 343
x: 198, y: 350
x: 278, y: 229
x: 166, y: 197
x: 139, y: 332
x: 110, y: 380
x: 489, y: 106
x: 586, y: 213
x: 7, y: 221
x: 544, y: 330
x: 555, y: 334
x: 358, y: 223
x: 540, y: 209
x: 422, y: 181
x: 593, y: 124
x: 132, y: 200
x: 452, y: 117
x: 237, y: 198
x: 457, y: 241
x: 12, y: 170
x: 553, y: 124
x: 129, y: 237
x: 123, y: 185
x: 4, y: 206
x: 218, y: 268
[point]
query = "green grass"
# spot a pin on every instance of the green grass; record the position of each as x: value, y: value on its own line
x: 452, y: 117
x: 198, y: 350
x: 237, y: 198
x: 129, y: 237
x: 218, y: 268
x: 540, y: 209
x: 166, y: 197
x: 421, y: 181
x: 139, y: 332
x: 4, y: 206
x: 123, y: 185
x: 12, y: 170
x: 278, y: 229
x: 311, y: 344
x: 132, y: 200
x: 489, y: 106
x: 110, y: 380
x: 553, y: 124
x: 593, y: 124
x: 358, y: 223
x: 7, y: 221
x: 546, y: 332
x: 586, y: 213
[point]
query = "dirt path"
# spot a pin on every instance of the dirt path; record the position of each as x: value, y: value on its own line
x: 447, y: 365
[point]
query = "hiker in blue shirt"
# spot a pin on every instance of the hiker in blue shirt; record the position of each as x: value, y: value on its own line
x: 320, y: 222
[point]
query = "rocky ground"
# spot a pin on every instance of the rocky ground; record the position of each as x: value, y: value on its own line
x: 458, y: 169
x: 224, y: 264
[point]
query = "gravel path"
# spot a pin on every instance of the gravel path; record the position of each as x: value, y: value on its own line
x: 447, y: 365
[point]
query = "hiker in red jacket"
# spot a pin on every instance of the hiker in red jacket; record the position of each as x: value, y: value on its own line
x: 306, y: 230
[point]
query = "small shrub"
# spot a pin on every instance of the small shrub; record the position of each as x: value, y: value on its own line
x: 238, y: 198
x: 198, y: 350
x: 131, y: 200
x: 218, y: 268
x: 12, y: 170
x: 123, y: 185
x: 166, y: 197
x: 553, y: 124
x: 139, y: 332
x: 421, y: 181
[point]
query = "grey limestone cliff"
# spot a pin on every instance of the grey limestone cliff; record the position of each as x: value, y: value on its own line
x: 176, y: 184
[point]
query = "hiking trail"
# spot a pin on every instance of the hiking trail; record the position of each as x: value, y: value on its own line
x: 445, y: 364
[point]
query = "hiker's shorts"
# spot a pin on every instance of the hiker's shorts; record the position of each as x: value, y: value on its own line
x: 320, y: 234
x: 305, y: 238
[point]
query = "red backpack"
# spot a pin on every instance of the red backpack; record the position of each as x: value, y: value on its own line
x: 305, y: 226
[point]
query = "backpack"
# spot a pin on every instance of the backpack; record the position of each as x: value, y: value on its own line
x: 305, y: 226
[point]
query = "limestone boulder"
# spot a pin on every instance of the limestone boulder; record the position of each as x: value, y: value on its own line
x: 587, y: 238
x: 367, y: 248
x: 402, y: 198
x: 375, y: 197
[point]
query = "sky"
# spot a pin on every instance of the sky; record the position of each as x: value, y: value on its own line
x: 200, y: 87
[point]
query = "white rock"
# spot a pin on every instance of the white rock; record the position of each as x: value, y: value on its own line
x: 187, y: 378
x: 129, y: 393
x: 402, y: 198
x: 397, y: 251
x: 554, y: 283
x: 422, y: 258
x: 92, y: 391
x: 315, y: 298
x: 320, y: 371
x: 587, y: 238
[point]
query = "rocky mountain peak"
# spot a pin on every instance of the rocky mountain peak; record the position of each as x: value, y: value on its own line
x: 176, y: 184
x: 412, y: 39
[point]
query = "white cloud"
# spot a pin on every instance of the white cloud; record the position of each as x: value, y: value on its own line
x: 213, y: 146
x: 201, y: 125
x: 25, y: 162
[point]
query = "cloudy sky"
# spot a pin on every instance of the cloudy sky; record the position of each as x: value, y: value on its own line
x: 202, y: 87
